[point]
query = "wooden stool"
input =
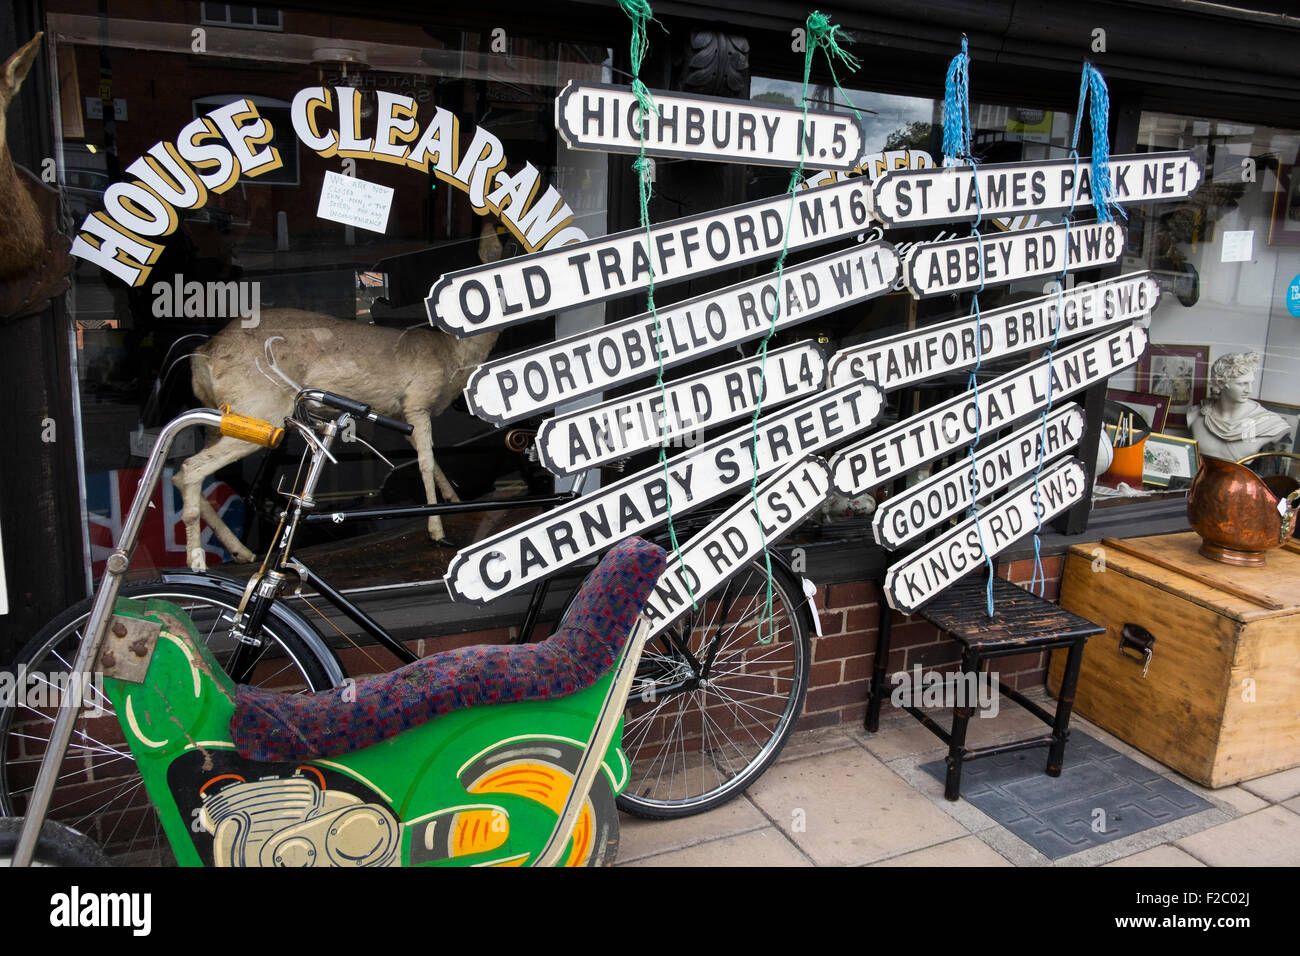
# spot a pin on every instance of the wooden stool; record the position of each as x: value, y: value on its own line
x: 1022, y: 622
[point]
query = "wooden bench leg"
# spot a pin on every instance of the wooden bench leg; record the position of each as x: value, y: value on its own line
x: 970, y: 663
x: 878, y: 672
x: 1064, y: 707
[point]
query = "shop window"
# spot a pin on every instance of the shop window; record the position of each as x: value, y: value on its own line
x: 242, y: 15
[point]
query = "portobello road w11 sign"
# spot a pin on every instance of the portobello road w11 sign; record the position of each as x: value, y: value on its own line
x: 948, y: 346
x: 959, y: 265
x: 941, y: 496
x: 623, y: 426
x: 531, y: 286
x: 928, y: 570
x: 534, y: 548
x: 608, y: 118
x: 736, y: 537
x: 523, y: 384
x: 959, y: 193
x: 951, y: 425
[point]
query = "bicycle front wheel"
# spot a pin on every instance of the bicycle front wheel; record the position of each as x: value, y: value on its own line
x: 99, y: 791
x: 717, y: 695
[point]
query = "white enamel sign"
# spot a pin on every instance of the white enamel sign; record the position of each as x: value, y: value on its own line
x: 537, y: 547
x: 959, y: 265
x: 951, y: 425
x: 941, y: 562
x: 948, y: 346
x: 734, y: 538
x: 939, y: 497
x: 531, y: 286
x: 620, y: 427
x: 608, y: 118
x: 529, y: 382
x: 964, y: 193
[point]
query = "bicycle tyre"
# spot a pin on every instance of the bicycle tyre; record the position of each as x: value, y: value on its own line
x: 102, y: 795
x: 694, y: 748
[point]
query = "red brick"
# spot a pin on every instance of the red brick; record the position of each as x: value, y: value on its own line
x: 1017, y: 663
x: 840, y: 695
x: 934, y: 655
x: 851, y: 595
x: 811, y: 721
x: 915, y: 634
x: 1031, y: 680
x: 841, y: 645
x: 832, y: 622
x: 861, y: 619
x: 825, y: 674
x: 854, y: 714
x: 858, y: 668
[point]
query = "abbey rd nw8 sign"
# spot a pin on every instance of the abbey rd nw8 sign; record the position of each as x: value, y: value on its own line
x: 941, y: 496
x: 909, y: 197
x: 530, y: 286
x: 535, y: 548
x: 733, y: 539
x: 623, y: 426
x: 951, y: 425
x: 608, y: 118
x: 909, y: 357
x: 938, y: 268
x: 938, y: 563
x: 523, y: 384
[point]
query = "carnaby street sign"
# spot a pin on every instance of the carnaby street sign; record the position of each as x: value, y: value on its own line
x: 531, y: 286
x: 941, y: 562
x: 939, y: 497
x: 608, y: 118
x: 612, y: 430
x: 536, y: 547
x: 734, y: 538
x: 516, y: 386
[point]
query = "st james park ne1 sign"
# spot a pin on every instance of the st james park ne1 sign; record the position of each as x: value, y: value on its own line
x: 921, y: 575
x: 591, y: 523
x: 910, y: 357
x: 939, y: 497
x: 951, y: 425
x: 736, y: 537
x: 612, y: 430
x: 960, y: 265
x: 531, y: 286
x: 517, y: 386
x: 608, y: 118
x: 910, y: 197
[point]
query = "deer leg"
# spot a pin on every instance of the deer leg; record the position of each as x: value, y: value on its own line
x: 189, y: 479
x: 422, y: 439
x: 448, y: 492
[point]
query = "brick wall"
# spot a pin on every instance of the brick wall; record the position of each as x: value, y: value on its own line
x: 844, y: 655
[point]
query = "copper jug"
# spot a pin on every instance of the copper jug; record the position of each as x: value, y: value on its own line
x: 1238, y: 514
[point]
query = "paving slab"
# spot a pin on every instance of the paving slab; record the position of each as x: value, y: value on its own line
x: 1164, y: 855
x: 1269, y: 837
x: 639, y: 838
x: 846, y: 808
x: 766, y: 847
x: 966, y: 851
x: 1276, y: 787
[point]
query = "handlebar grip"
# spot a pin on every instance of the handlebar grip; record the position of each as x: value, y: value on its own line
x: 344, y: 404
x: 248, y: 429
x: 396, y: 424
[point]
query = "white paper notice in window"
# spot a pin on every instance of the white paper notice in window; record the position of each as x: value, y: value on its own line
x: 355, y: 202
x: 1237, y: 246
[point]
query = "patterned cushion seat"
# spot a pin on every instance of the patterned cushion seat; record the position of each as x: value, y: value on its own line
x: 270, y: 726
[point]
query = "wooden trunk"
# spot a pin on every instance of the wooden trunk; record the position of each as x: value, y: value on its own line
x: 1221, y: 699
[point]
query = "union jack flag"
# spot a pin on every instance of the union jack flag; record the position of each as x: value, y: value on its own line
x: 162, y: 536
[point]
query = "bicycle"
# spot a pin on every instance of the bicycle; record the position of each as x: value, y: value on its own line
x: 713, y: 706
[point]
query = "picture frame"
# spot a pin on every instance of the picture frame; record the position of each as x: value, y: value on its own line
x: 1181, y: 372
x: 1168, y: 460
x: 1292, y: 414
x: 1154, y: 408
x: 1284, y: 228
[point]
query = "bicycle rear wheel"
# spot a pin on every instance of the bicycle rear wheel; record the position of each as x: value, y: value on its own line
x: 717, y: 696
x: 100, y: 792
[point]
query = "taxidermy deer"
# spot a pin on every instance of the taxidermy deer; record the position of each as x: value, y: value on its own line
x: 22, y: 238
x: 413, y: 375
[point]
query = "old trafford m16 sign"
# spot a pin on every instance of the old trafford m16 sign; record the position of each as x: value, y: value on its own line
x: 609, y: 118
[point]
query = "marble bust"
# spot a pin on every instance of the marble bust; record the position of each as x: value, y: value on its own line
x: 1230, y: 424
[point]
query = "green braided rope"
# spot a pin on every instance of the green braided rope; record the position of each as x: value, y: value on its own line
x: 638, y: 11
x: 827, y: 37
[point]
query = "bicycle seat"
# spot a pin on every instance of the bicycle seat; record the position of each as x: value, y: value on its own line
x: 270, y: 726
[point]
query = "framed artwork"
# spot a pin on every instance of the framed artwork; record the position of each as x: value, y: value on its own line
x: 1180, y: 372
x: 1291, y: 413
x: 1168, y: 460
x: 1285, y: 227
x: 1154, y: 408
